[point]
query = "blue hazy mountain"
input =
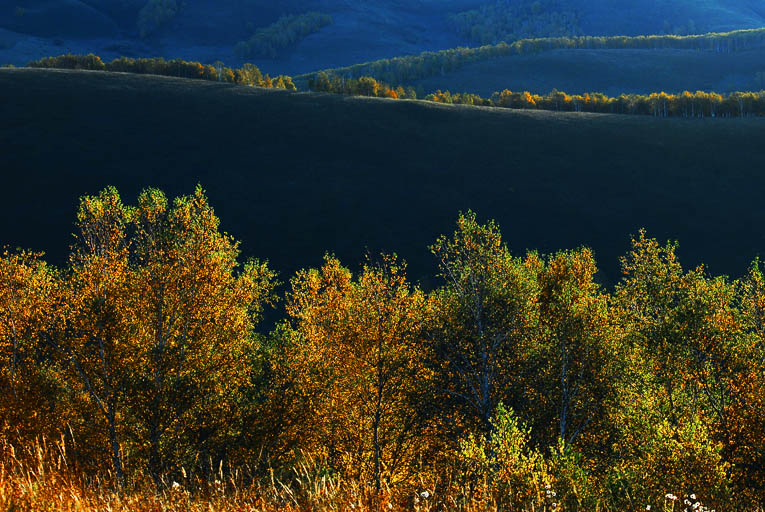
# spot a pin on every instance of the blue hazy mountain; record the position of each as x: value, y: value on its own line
x: 361, y: 30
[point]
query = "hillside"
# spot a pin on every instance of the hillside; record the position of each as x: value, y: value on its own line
x: 718, y: 61
x: 611, y: 72
x: 293, y: 175
x: 365, y: 30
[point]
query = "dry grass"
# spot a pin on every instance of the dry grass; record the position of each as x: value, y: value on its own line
x: 39, y: 478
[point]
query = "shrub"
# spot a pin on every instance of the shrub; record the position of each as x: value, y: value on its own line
x: 503, y: 471
x: 657, y: 457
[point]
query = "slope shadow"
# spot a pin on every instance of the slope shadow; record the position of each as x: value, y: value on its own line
x: 293, y: 175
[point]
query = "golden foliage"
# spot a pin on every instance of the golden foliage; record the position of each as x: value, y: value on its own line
x: 248, y: 74
x: 355, y: 345
x: 518, y: 383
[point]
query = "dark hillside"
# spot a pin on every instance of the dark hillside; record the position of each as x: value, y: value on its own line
x: 611, y: 72
x: 610, y: 17
x: 363, y: 30
x: 293, y: 175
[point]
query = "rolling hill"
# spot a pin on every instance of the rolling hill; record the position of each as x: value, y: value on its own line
x: 293, y: 175
x: 611, y: 72
x: 363, y: 30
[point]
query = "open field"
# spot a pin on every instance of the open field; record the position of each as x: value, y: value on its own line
x: 293, y: 175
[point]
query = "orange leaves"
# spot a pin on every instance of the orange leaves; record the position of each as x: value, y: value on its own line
x: 27, y: 285
x: 528, y: 100
x: 29, y: 293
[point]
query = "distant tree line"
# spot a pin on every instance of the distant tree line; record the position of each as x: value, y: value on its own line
x: 248, y: 74
x: 364, y: 86
x: 287, y: 31
x: 699, y: 104
x: 510, y: 21
x: 403, y: 70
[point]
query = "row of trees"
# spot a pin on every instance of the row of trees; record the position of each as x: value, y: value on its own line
x: 285, y: 32
x: 687, y: 104
x: 364, y: 86
x: 518, y: 383
x: 248, y: 74
x: 403, y: 70
x: 505, y: 21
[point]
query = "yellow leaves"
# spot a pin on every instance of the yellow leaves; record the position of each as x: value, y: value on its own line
x: 155, y: 319
x: 330, y: 309
x: 26, y: 285
x: 29, y: 305
x: 659, y: 104
x: 156, y: 322
x: 354, y: 351
x: 505, y: 460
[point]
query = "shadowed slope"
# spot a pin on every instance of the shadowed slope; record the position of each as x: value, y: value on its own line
x: 294, y: 175
x: 612, y: 72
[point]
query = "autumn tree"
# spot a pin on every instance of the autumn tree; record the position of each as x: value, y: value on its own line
x: 482, y: 317
x: 368, y: 86
x: 686, y: 325
x: 745, y: 406
x: 93, y: 338
x: 572, y: 348
x: 682, y: 333
x: 249, y: 74
x: 157, y: 325
x: 360, y: 337
x: 29, y: 291
x: 193, y: 311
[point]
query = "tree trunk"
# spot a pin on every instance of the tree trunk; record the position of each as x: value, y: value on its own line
x: 564, y: 388
x: 115, y: 446
x: 376, y: 429
x: 378, y: 415
x: 155, y: 461
x: 14, y: 356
